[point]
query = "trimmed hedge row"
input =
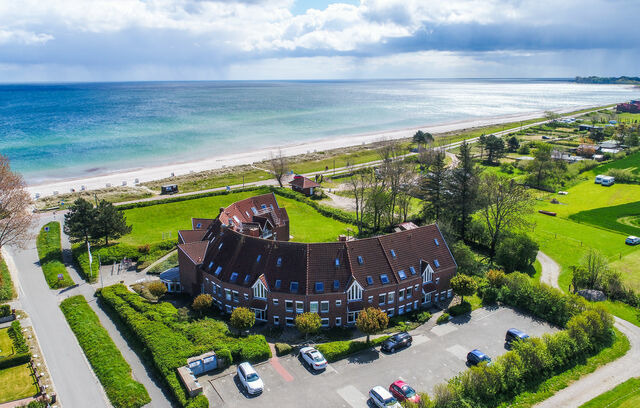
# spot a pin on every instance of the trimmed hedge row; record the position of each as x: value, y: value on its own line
x: 282, y: 349
x: 330, y: 212
x: 15, y: 360
x: 108, y: 363
x: 337, y: 350
x: 50, y: 253
x: 19, y: 342
x: 5, y: 310
x: 7, y: 291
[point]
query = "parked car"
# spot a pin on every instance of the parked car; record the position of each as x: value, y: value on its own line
x: 515, y: 335
x: 476, y: 357
x: 632, y: 240
x: 398, y: 340
x: 313, y: 358
x: 383, y: 398
x: 403, y: 392
x: 250, y: 379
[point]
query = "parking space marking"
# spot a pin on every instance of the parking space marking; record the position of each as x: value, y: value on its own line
x: 280, y: 369
x: 352, y: 396
x: 330, y: 369
x: 458, y: 351
x: 443, y: 329
x: 419, y: 339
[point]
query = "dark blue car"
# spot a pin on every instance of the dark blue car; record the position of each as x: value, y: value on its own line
x: 515, y: 335
x: 476, y: 357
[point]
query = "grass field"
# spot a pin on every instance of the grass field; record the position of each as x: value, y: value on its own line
x: 631, y: 162
x: 629, y: 117
x: 613, y: 218
x: 6, y: 344
x: 50, y: 253
x: 17, y: 383
x: 149, y: 223
x: 625, y: 395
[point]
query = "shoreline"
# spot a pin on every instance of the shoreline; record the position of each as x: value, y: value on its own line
x: 146, y: 174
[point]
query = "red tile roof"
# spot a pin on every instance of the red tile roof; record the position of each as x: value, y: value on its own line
x: 303, y: 182
x: 195, y: 250
x: 188, y: 236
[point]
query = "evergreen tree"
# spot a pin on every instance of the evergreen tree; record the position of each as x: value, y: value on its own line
x: 462, y: 190
x: 433, y: 186
x: 109, y: 222
x: 494, y: 147
x: 542, y: 165
x: 80, y: 220
x: 514, y: 144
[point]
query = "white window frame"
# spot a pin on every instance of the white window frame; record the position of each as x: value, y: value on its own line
x: 322, y: 306
x: 275, y: 302
x: 400, y: 295
x: 401, y: 310
x: 391, y: 297
x: 338, y: 321
x: 276, y: 320
x: 382, y: 298
x: 324, y: 322
x: 354, y: 292
x: 427, y: 274
x: 390, y: 312
x: 409, y: 292
x: 227, y: 294
x: 338, y: 302
x: 370, y: 299
x: 289, y: 319
x: 299, y: 306
x: 450, y: 293
x: 313, y: 307
x: 287, y: 308
x: 236, y: 296
x: 259, y: 290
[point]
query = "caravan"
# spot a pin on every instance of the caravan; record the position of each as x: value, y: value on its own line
x: 599, y: 178
x: 607, y: 181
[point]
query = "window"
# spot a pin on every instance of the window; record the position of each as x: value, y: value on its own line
x: 234, y: 277
x: 427, y: 275
x: 436, y: 241
x: 400, y: 295
x: 338, y: 303
x: 235, y: 296
x: 275, y: 302
x: 228, y: 308
x: 415, y: 305
x: 259, y: 291
x: 254, y: 210
x: 370, y: 299
x: 263, y: 206
x: 319, y: 287
x: 278, y: 283
x: 437, y: 281
x: 352, y: 317
x: 276, y: 320
x: 413, y: 270
x: 390, y: 312
x: 289, y: 321
x: 220, y: 246
x: 293, y: 287
x: 382, y: 298
x: 325, y: 322
x: 235, y: 217
x: 393, y: 254
x: 279, y: 262
x: 337, y: 262
x: 246, y: 279
x: 288, y: 305
x: 408, y: 307
x: 402, y: 274
x: 324, y: 306
x: 299, y: 306
x: 198, y: 225
x: 338, y: 321
x: 391, y: 297
x: 336, y: 284
x: 218, y: 270
x: 210, y: 265
x: 409, y: 292
x: 426, y: 298
x: 369, y: 280
x: 354, y: 292
x: 313, y: 307
x: 258, y: 258
x: 401, y: 310
x: 436, y: 263
x: 450, y: 293
x: 227, y: 294
x: 360, y: 260
x: 246, y: 296
x: 384, y: 279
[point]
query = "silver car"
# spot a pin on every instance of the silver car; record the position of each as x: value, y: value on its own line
x: 250, y: 379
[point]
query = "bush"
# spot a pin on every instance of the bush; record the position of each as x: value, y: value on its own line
x: 157, y: 288
x: 6, y: 285
x: 202, y: 302
x: 623, y: 175
x: 50, y: 254
x: 443, y: 318
x: 199, y: 401
x: 19, y: 342
x: 516, y: 253
x: 489, y: 295
x: 465, y: 259
x: 242, y: 318
x: 423, y: 317
x: 224, y: 354
x: 254, y: 349
x: 462, y: 308
x: 283, y: 349
x: 337, y: 350
x: 15, y: 360
x: 5, y: 310
x: 108, y: 363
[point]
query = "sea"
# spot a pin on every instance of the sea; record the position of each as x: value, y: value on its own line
x: 60, y: 131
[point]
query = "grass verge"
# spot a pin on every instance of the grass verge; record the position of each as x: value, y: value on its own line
x: 50, y: 253
x: 108, y: 363
x: 7, y: 291
x: 625, y: 395
x: 337, y: 350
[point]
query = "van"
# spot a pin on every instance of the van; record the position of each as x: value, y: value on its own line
x: 607, y: 181
x: 599, y: 178
x: 515, y: 335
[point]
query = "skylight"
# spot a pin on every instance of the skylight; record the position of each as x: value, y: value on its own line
x: 220, y: 246
x: 393, y: 253
x: 254, y: 210
x: 198, y: 225
x: 336, y: 284
x: 436, y: 263
x: 319, y: 287
x: 436, y: 241
x: 218, y: 270
x: 246, y: 279
x: 360, y: 260
x: 293, y: 287
x: 402, y: 274
x: 234, y: 277
x: 369, y: 280
x: 279, y: 262
x: 413, y: 270
x: 210, y: 265
x: 278, y: 283
x: 384, y: 279
x: 264, y: 206
x: 236, y: 218
x: 337, y: 262
x: 258, y: 258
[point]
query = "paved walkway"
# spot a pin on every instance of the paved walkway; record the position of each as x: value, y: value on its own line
x: 604, y: 378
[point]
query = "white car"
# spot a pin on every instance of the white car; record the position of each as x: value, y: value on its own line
x: 383, y: 398
x: 313, y: 358
x: 250, y: 379
x: 631, y: 240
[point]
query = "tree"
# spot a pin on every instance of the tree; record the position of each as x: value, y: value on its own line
x: 202, y: 302
x: 279, y: 166
x: 15, y: 215
x: 359, y: 183
x: 80, y: 220
x: 504, y: 206
x: 109, y: 222
x: 513, y: 143
x: 157, y: 288
x: 465, y: 259
x: 551, y: 116
x: 541, y: 166
x: 421, y: 138
x: 242, y: 319
x: 308, y: 323
x: 433, y: 185
x: 463, y: 285
x: 371, y: 320
x: 462, y: 188
x: 494, y: 147
x: 591, y: 271
x: 516, y: 252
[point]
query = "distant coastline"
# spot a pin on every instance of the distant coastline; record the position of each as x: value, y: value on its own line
x: 621, y: 80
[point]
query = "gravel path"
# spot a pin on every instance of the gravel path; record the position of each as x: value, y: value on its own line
x: 604, y: 378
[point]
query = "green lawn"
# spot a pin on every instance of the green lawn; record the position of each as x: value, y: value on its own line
x: 631, y: 162
x: 17, y: 383
x: 149, y: 223
x: 50, y: 253
x: 629, y: 117
x: 110, y: 367
x: 629, y: 266
x: 7, y: 291
x: 625, y: 395
x: 6, y: 344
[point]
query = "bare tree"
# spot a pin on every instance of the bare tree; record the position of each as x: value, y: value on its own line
x: 15, y: 217
x: 358, y: 184
x: 279, y: 166
x: 397, y: 174
x: 504, y: 205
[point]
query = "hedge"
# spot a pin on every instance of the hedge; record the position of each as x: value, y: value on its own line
x: 5, y: 310
x: 50, y: 253
x: 184, y: 198
x: 337, y: 350
x: 7, y: 291
x: 443, y: 318
x: 282, y: 349
x: 108, y: 363
x: 19, y: 342
x: 14, y: 360
x: 330, y: 212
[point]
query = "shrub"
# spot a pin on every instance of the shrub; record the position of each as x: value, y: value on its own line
x: 157, y: 288
x: 463, y: 286
x: 19, y: 342
x: 516, y: 253
x: 199, y: 401
x: 372, y: 320
x: 308, y: 323
x: 423, y: 317
x: 283, y: 349
x: 489, y: 295
x: 462, y: 308
x: 7, y: 291
x: 144, y: 249
x: 495, y: 277
x: 242, y: 318
x: 224, y: 354
x: 623, y: 175
x: 337, y: 350
x: 5, y: 310
x: 50, y: 254
x: 202, y: 302
x: 110, y: 367
x: 443, y: 318
x: 465, y: 258
x: 15, y: 360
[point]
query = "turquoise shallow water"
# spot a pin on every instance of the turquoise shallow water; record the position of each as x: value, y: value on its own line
x: 57, y: 131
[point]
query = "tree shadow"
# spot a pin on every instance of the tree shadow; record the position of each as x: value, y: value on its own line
x: 364, y: 357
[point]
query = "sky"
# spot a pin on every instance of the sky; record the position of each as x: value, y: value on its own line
x: 130, y: 40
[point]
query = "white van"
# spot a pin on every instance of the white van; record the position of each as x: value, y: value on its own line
x: 607, y: 181
x: 599, y: 178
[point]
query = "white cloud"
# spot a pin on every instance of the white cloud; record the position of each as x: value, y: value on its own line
x: 23, y: 37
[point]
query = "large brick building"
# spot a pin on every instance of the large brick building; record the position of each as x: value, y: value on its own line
x: 243, y: 258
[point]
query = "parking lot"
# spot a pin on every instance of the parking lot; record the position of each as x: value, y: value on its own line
x: 437, y: 353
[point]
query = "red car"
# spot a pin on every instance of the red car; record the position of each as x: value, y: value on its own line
x: 403, y: 392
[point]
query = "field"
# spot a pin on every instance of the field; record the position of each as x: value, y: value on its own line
x: 625, y: 395
x: 629, y: 117
x: 16, y: 383
x: 150, y: 223
x: 631, y: 162
x: 6, y: 345
x: 50, y: 253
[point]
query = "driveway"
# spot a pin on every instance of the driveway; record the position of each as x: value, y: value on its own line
x: 437, y: 353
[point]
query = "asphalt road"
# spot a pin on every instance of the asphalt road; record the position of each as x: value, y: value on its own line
x: 437, y: 353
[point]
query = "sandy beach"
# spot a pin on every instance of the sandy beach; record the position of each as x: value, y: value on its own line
x: 130, y: 177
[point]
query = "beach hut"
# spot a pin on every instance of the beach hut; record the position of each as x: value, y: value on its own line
x: 169, y: 189
x: 303, y: 185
